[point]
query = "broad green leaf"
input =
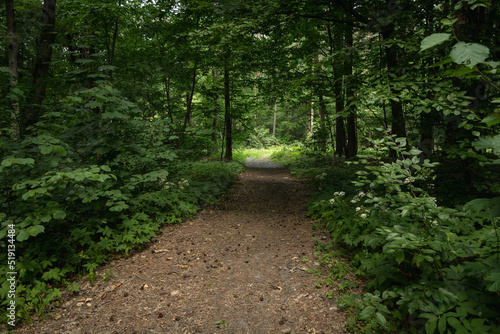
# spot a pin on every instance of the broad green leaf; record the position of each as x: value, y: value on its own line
x: 54, y: 273
x: 84, y: 61
x: 495, y: 278
x: 367, y: 312
x: 462, y: 70
x: 492, y: 64
x: 430, y: 325
x: 442, y: 324
x: 415, y: 151
x: 381, y: 319
x: 433, y: 40
x: 455, y: 323
x: 469, y: 54
x: 35, y: 230
x: 7, y: 162
x: 46, y: 149
x: 93, y: 104
x: 399, y: 256
x: 492, y: 119
x: 448, y: 22
x: 59, y: 214
x: 107, y: 68
x: 46, y: 218
x: 488, y: 143
x: 23, y: 235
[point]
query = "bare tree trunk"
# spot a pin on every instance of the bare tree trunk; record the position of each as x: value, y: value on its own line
x: 166, y: 82
x: 216, y: 78
x: 189, y: 102
x: 398, y: 126
x: 12, y: 56
x: 113, y: 45
x: 227, y: 115
x: 340, y: 139
x: 275, y: 113
x: 352, y: 138
x: 42, y: 65
x: 322, y: 116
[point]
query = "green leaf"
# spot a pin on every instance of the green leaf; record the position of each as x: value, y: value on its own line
x: 433, y: 40
x: 23, y: 235
x: 59, y: 214
x: 367, y: 312
x: 455, y: 323
x: 54, y: 273
x: 442, y: 324
x: 381, y: 319
x: 8, y: 162
x: 492, y: 119
x: 489, y: 142
x: 35, y: 230
x: 93, y: 105
x: 430, y: 325
x: 462, y: 70
x: 469, y: 54
x: 495, y: 278
x: 399, y: 256
x: 46, y: 149
x: 448, y: 22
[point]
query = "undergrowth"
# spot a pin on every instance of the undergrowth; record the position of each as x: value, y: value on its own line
x: 430, y: 268
x: 76, y: 192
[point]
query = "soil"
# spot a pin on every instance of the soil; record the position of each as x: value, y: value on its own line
x: 237, y: 267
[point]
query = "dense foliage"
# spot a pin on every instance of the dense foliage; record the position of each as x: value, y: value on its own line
x: 116, y: 116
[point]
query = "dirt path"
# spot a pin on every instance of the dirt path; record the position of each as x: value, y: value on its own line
x: 235, y: 268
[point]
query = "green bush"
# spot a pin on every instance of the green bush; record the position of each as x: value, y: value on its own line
x: 434, y: 267
x: 100, y: 183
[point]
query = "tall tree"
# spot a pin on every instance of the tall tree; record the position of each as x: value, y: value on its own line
x: 228, y: 120
x: 12, y: 51
x: 41, y: 69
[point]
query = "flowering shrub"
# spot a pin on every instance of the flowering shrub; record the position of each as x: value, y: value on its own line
x: 435, y: 267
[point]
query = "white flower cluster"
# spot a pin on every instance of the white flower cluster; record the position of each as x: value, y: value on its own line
x: 337, y: 194
x: 179, y: 184
x: 410, y: 179
x: 321, y: 176
x: 358, y: 197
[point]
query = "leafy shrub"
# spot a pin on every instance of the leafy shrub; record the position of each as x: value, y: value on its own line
x: 80, y: 189
x: 438, y: 268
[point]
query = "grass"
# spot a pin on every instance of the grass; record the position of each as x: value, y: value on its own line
x: 242, y: 154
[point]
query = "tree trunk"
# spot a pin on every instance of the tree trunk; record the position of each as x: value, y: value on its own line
x: 12, y: 56
x: 398, y: 127
x: 227, y: 115
x: 311, y: 120
x: 274, y: 119
x: 426, y: 135
x: 352, y: 137
x: 189, y: 102
x: 216, y: 78
x: 166, y: 82
x: 340, y: 139
x: 42, y: 65
x: 323, y: 134
x: 113, y: 44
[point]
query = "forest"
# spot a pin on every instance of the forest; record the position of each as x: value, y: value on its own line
x: 118, y: 117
